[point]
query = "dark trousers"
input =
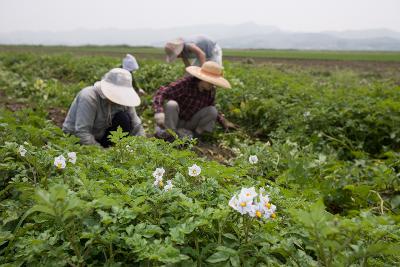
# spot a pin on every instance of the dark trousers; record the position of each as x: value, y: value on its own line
x: 122, y: 119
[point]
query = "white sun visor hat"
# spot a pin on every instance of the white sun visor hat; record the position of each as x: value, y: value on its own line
x: 129, y: 63
x: 116, y: 85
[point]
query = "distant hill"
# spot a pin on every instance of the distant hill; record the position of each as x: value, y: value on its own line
x: 247, y: 35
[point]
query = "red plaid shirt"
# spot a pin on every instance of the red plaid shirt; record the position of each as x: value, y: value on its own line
x: 189, y: 98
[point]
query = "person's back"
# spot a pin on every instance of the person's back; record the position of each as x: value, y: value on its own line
x: 197, y: 47
x: 203, y: 42
x: 101, y: 108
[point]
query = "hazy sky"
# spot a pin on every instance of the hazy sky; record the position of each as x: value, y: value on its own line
x: 296, y: 15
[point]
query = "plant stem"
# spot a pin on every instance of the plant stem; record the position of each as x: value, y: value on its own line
x: 196, y: 241
x: 219, y: 233
x: 380, y: 198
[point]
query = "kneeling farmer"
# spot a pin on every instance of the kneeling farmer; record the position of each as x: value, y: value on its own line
x: 189, y: 107
x: 101, y: 108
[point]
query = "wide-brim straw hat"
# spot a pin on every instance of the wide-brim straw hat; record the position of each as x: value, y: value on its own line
x: 210, y: 72
x: 173, y: 49
x: 116, y: 85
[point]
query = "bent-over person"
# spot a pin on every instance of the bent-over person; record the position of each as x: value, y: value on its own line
x: 99, y: 109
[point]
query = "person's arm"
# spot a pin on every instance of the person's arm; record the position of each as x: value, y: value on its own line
x: 201, y: 56
x: 221, y: 117
x: 185, y: 61
x: 225, y: 123
x: 137, y: 127
x: 85, y: 116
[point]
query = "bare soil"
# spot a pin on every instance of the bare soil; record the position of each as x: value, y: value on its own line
x: 215, y: 152
x: 57, y: 115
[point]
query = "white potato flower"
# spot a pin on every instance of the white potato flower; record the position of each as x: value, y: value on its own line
x: 158, y: 173
x: 194, y: 170
x: 263, y: 198
x: 234, y: 203
x: 22, y: 150
x: 269, y: 210
x: 72, y: 157
x: 247, y: 193
x: 257, y: 210
x: 245, y: 205
x: 168, y: 186
x: 253, y: 159
x: 59, y: 162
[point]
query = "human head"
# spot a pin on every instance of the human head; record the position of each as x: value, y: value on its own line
x: 129, y: 63
x: 210, y: 72
x: 205, y: 86
x: 116, y: 85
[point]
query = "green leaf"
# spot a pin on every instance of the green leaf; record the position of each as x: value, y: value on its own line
x: 117, y: 135
x: 230, y: 251
x: 384, y: 249
x: 44, y: 209
x: 218, y: 257
x: 395, y: 202
x: 230, y: 236
x: 235, y: 260
x: 105, y: 202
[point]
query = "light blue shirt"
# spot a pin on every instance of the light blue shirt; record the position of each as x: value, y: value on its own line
x: 203, y: 42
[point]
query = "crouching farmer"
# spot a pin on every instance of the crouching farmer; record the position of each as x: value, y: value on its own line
x: 101, y: 108
x: 187, y: 106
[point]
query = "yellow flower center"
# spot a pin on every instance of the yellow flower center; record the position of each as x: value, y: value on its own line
x: 247, y: 194
x: 273, y: 215
x: 243, y: 204
x: 160, y: 183
x: 268, y: 205
x: 258, y: 214
x: 59, y: 165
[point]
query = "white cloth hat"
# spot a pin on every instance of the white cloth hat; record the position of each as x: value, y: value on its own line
x: 210, y: 72
x: 116, y: 85
x: 129, y: 63
x: 173, y: 49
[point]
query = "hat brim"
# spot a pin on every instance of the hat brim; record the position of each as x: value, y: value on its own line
x: 171, y: 58
x: 173, y: 52
x: 208, y: 77
x: 125, y: 96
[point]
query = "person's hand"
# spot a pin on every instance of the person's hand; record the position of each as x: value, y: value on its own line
x: 141, y: 92
x: 160, y: 119
x: 229, y: 125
